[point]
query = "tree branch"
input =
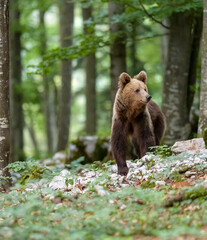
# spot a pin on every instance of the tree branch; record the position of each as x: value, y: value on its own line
x: 150, y: 15
x: 152, y: 36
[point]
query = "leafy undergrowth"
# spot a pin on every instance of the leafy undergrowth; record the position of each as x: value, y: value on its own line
x: 147, y: 209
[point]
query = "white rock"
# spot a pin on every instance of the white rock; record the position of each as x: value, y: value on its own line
x: 146, y: 158
x: 90, y: 174
x: 71, y: 150
x: 59, y: 157
x: 58, y: 182
x: 189, y: 173
x: 64, y: 173
x: 114, y: 169
x: 193, y: 146
x: 101, y: 191
x: 48, y: 161
x: 123, y: 207
x: 90, y: 144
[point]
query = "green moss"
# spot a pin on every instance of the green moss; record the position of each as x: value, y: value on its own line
x: 148, y: 184
x: 101, y: 152
x: 183, y: 169
x: 81, y: 151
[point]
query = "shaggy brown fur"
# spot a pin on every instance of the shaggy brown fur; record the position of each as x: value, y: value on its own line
x: 136, y: 115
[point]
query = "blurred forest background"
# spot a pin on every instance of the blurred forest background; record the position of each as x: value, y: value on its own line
x: 66, y: 56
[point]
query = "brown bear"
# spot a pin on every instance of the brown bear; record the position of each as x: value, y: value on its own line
x: 136, y: 115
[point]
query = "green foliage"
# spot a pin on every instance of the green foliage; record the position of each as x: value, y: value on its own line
x: 176, y: 176
x: 148, y: 184
x: 28, y: 170
x: 121, y: 215
x: 164, y: 150
x: 141, y: 30
x: 124, y: 213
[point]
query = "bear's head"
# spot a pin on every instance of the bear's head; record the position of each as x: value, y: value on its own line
x: 133, y: 91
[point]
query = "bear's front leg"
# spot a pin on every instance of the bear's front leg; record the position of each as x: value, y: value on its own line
x: 143, y: 135
x: 147, y: 141
x: 118, y: 145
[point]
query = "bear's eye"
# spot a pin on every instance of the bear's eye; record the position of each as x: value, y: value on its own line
x: 145, y: 89
x: 137, y: 90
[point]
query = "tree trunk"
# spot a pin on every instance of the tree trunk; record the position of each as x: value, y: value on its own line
x: 90, y: 70
x: 197, y: 32
x: 164, y: 42
x: 48, y: 100
x: 66, y: 29
x: 175, y: 93
x: 117, y: 47
x: 202, y: 125
x: 16, y: 101
x: 4, y: 86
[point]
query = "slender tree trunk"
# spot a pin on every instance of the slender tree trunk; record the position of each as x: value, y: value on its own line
x: 197, y: 32
x: 176, y: 77
x: 16, y: 101
x: 134, y: 65
x: 4, y: 86
x: 66, y: 29
x: 202, y: 125
x: 117, y: 48
x: 90, y: 69
x: 164, y: 42
x: 48, y: 103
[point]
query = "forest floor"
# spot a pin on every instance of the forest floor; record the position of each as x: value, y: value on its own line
x: 163, y: 197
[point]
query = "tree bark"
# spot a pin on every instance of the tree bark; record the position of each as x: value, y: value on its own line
x: 16, y: 101
x: 175, y: 90
x: 66, y: 29
x: 196, y: 33
x: 90, y: 70
x: 164, y: 42
x: 117, y: 47
x: 202, y: 125
x: 4, y: 86
x: 48, y: 100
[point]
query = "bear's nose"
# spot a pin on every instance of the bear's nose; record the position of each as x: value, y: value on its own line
x: 149, y: 98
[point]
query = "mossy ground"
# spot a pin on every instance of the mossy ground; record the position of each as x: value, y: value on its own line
x: 175, y: 211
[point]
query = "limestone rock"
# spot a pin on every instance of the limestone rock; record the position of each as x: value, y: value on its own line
x: 193, y: 146
x: 92, y: 148
x: 189, y: 173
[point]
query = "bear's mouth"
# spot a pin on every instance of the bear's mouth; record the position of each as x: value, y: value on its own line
x: 144, y: 102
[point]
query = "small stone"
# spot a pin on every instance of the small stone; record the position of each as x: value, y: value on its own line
x: 160, y: 183
x: 64, y: 173
x: 114, y: 169
x: 123, y: 207
x: 59, y: 156
x: 58, y: 182
x: 101, y: 191
x: 189, y: 173
x: 91, y: 174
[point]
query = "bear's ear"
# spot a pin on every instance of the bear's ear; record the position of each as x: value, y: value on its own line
x: 142, y: 76
x: 124, y: 78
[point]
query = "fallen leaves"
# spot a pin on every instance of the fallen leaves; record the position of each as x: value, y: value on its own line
x: 180, y: 184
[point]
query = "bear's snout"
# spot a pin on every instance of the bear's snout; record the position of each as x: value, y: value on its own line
x: 149, y: 98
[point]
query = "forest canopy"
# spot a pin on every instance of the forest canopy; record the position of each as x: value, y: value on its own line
x: 66, y: 56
